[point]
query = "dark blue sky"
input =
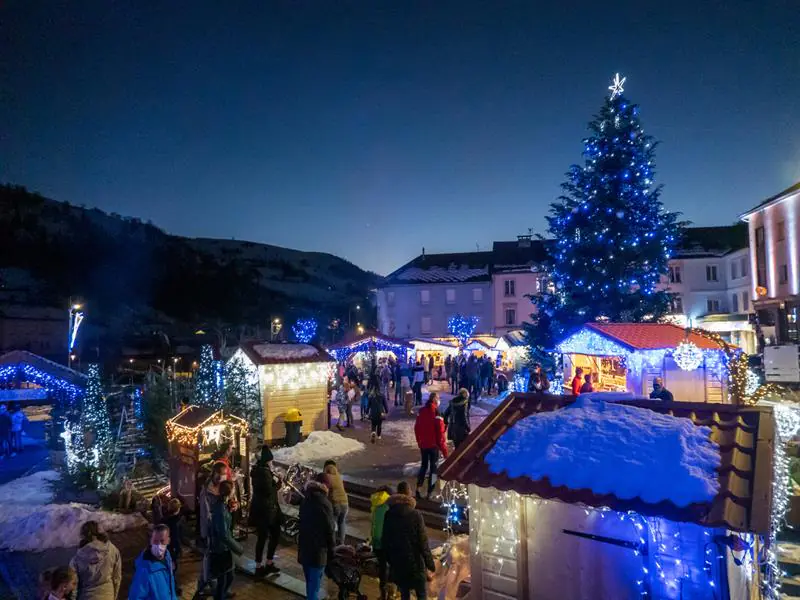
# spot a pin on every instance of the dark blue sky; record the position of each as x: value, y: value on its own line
x: 372, y: 128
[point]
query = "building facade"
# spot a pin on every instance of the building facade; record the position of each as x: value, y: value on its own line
x: 774, y: 231
x: 38, y: 329
x: 518, y: 271
x: 710, y: 280
x: 418, y: 299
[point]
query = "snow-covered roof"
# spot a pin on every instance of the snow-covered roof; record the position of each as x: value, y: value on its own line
x: 266, y: 353
x: 452, y: 274
x: 745, y: 436
x: 612, y: 449
x: 458, y: 267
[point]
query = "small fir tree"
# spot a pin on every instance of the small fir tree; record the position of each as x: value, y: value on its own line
x: 207, y: 380
x: 241, y: 392
x: 612, y: 236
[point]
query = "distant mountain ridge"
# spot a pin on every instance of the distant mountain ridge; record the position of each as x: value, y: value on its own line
x: 130, y: 270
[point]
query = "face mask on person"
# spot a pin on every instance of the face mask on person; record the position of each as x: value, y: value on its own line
x: 158, y: 550
x: 656, y: 386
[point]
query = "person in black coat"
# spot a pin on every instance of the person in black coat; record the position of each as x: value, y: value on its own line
x: 315, y: 541
x: 265, y: 512
x: 456, y: 417
x: 405, y: 544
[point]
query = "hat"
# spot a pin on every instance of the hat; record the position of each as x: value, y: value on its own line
x: 266, y: 454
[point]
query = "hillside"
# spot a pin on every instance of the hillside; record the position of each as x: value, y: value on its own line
x: 134, y: 274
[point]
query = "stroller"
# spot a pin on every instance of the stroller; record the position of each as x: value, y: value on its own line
x: 346, y: 569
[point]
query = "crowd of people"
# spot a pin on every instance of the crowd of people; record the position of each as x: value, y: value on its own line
x: 11, y: 427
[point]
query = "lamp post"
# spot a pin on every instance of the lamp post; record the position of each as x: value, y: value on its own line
x: 75, y: 319
x: 350, y: 315
x: 275, y: 328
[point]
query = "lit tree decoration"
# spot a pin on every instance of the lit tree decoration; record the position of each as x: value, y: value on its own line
x: 304, y: 330
x: 613, y: 237
x: 206, y: 384
x: 462, y: 327
x: 753, y: 383
x: 95, y: 422
x: 687, y: 356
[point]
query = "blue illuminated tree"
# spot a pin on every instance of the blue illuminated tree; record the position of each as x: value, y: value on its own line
x: 207, y: 381
x: 612, y: 235
x: 304, y: 330
x: 462, y: 327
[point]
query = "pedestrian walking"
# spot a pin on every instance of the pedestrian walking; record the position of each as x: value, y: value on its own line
x: 223, y: 545
x: 173, y: 518
x: 453, y: 375
x: 396, y: 373
x: 405, y: 543
x: 378, y: 508
x: 419, y: 379
x: 386, y: 379
x: 341, y: 405
x: 456, y: 418
x: 430, y: 368
x: 58, y: 583
x: 265, y: 512
x: 377, y: 410
x: 473, y: 376
x: 5, y: 432
x: 350, y: 386
x: 97, y: 564
x: 207, y: 500
x: 154, y: 578
x: 315, y: 541
x: 338, y: 497
x: 429, y: 430
x: 18, y: 420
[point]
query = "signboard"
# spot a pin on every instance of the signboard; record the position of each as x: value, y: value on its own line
x: 782, y: 364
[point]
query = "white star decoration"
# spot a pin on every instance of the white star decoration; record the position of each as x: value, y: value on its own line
x: 616, y: 86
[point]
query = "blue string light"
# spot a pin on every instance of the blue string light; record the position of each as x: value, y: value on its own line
x: 377, y: 344
x: 50, y: 383
x: 304, y: 330
x: 462, y: 327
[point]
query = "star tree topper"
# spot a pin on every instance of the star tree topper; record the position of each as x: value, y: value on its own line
x: 616, y: 86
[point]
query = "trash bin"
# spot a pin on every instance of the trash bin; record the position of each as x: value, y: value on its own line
x: 294, y: 422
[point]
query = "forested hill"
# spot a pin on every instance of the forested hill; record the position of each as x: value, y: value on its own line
x: 128, y: 270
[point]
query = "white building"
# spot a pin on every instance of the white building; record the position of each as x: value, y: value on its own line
x: 710, y: 279
x: 774, y: 228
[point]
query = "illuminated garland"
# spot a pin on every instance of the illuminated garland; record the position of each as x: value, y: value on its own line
x: 190, y: 436
x: 297, y: 376
x: 401, y: 351
x: 26, y: 372
x: 462, y: 327
x: 304, y: 330
x: 687, y: 356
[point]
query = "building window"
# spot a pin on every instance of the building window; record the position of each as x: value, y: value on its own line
x: 674, y: 274
x: 677, y: 305
x: 761, y: 258
x: 425, y: 325
x: 734, y: 272
x: 390, y: 298
x: 712, y: 305
x: 509, y: 290
x: 743, y: 267
x: 477, y: 295
x: 745, y: 302
x: 735, y: 303
x: 424, y: 296
x: 711, y: 273
x: 780, y: 231
x: 511, y: 316
x: 783, y: 274
x: 450, y: 296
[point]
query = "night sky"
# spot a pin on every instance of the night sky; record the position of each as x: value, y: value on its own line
x: 370, y: 129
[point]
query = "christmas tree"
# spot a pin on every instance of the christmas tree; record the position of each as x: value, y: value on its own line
x: 96, y: 425
x: 241, y: 392
x: 207, y: 380
x: 612, y: 236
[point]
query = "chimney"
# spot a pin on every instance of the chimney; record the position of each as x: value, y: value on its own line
x: 423, y: 252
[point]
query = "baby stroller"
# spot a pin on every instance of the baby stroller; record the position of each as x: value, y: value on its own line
x: 346, y: 569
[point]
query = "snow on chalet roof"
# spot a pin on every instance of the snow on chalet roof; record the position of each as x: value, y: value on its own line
x: 266, y: 353
x: 650, y: 336
x: 457, y: 267
x: 742, y: 436
x: 612, y: 449
x: 452, y: 274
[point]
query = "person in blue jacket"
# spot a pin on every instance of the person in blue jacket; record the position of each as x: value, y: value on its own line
x: 154, y: 578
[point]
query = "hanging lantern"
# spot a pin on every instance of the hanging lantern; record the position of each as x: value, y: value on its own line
x: 687, y: 356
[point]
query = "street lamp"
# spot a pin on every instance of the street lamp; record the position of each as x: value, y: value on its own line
x: 75, y: 319
x: 350, y: 315
x: 275, y: 328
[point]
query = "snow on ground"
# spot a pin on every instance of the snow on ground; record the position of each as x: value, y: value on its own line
x: 401, y: 431
x: 318, y: 446
x: 28, y: 522
x: 612, y: 449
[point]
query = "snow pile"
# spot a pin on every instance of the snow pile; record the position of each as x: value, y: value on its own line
x: 285, y: 351
x: 613, y: 449
x: 29, y: 523
x: 318, y: 446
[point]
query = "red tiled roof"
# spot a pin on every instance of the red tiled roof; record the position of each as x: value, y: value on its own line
x: 745, y: 436
x: 650, y: 336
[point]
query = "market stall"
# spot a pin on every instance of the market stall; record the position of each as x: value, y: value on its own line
x: 289, y: 377
x: 357, y: 349
x: 195, y: 435
x: 628, y: 356
x: 438, y: 349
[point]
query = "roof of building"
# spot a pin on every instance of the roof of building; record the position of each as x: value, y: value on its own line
x: 650, y: 336
x: 745, y: 436
x: 456, y: 267
x: 23, y: 357
x: 356, y: 339
x: 793, y: 189
x: 525, y: 254
x: 281, y: 353
x: 708, y: 242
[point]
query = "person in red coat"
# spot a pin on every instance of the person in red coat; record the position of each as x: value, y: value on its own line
x: 429, y: 430
x: 577, y: 381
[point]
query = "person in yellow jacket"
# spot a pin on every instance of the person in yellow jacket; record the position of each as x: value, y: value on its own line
x: 378, y: 508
